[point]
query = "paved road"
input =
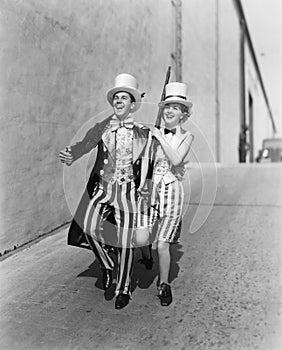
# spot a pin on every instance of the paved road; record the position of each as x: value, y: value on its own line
x: 226, y: 279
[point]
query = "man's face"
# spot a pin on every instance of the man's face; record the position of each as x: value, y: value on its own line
x: 122, y: 105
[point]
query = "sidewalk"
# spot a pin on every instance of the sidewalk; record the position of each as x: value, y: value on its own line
x: 226, y: 281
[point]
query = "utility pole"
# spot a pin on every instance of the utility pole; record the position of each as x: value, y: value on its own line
x: 177, y: 54
x: 217, y: 83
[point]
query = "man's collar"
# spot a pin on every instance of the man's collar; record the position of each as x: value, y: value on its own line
x: 116, y: 123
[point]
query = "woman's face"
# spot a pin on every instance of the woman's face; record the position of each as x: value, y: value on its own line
x: 172, y: 115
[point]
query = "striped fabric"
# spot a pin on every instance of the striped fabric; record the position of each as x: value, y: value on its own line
x: 123, y: 199
x: 171, y: 206
x: 164, y: 206
x: 171, y: 197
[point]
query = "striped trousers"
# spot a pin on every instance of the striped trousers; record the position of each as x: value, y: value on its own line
x: 122, y: 200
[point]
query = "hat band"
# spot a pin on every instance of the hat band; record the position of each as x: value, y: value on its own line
x: 183, y: 97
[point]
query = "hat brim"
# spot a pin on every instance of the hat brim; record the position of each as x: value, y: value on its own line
x: 135, y: 93
x: 182, y: 102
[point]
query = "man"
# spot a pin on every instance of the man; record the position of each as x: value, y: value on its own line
x: 120, y: 168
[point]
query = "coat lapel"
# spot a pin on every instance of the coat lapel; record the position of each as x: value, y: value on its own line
x: 139, y: 142
x: 146, y: 161
x: 109, y: 140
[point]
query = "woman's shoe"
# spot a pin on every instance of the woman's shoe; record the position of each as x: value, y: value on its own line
x: 165, y: 294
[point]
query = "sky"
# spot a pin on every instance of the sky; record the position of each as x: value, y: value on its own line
x: 264, y: 20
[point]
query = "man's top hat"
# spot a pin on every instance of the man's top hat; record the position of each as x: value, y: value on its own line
x: 125, y: 83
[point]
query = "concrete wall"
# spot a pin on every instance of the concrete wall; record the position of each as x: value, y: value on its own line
x: 229, y: 77
x: 211, y: 50
x: 57, y: 61
x: 199, y: 62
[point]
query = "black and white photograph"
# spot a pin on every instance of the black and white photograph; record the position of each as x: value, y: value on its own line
x: 141, y: 175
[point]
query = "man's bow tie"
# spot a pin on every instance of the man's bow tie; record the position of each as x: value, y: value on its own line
x: 166, y: 131
x: 116, y: 123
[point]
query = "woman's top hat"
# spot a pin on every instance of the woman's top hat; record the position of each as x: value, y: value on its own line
x: 176, y: 93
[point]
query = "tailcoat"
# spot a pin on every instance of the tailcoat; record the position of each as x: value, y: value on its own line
x: 99, y: 136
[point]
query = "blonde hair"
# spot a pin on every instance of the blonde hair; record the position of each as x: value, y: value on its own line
x: 186, y: 112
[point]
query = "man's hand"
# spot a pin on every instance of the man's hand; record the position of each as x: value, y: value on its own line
x: 66, y: 157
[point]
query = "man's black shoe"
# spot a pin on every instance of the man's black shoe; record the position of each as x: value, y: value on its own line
x: 107, y: 277
x: 121, y: 301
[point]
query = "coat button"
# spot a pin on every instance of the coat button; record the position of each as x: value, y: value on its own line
x: 101, y: 172
x: 106, y: 161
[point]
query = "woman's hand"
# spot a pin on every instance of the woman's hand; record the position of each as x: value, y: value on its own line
x: 155, y: 131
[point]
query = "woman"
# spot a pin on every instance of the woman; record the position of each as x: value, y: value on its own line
x: 166, y: 189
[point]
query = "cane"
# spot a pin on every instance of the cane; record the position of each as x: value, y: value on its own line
x: 160, y: 111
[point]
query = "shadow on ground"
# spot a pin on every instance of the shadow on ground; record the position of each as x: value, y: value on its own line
x: 141, y: 277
